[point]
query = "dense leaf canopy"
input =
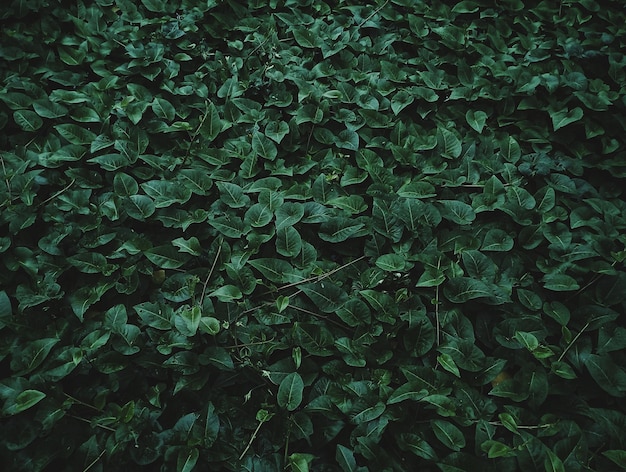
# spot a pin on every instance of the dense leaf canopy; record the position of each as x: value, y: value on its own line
x: 312, y: 235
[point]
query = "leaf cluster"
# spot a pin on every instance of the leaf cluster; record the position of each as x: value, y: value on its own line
x: 304, y: 235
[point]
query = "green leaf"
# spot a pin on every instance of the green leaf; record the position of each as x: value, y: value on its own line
x: 462, y: 289
x: 124, y: 185
x: 212, y: 125
x: 353, y: 204
x: 75, y: 134
x: 275, y: 270
x: 565, y: 117
x: 448, y: 143
x: 89, y: 262
x: 155, y: 315
x: 290, y: 391
x: 6, y: 310
x: 33, y: 355
x: 140, y: 207
x: 232, y: 195
x: 390, y: 262
x: 190, y: 246
x: 497, y: 240
x: 457, y: 212
x: 449, y: 435
x: 618, y: 456
x: 305, y: 37
x: 258, y: 215
x: 227, y: 293
x: 288, y: 242
x: 27, y: 120
x: 163, y: 109
x: 400, y: 101
x: 345, y: 459
x: 338, y: 229
x: 409, y: 391
x: 327, y: 296
x: 607, y: 374
x: 288, y: 214
x: 476, y: 119
x: 276, y: 130
x: 187, y: 457
x: 264, y: 147
x: 24, y: 401
x: 447, y: 362
x: 560, y: 282
x: 166, y: 257
x: 369, y: 413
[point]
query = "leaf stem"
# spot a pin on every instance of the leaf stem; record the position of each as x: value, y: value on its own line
x: 60, y: 192
x: 573, y: 341
x: 252, y: 438
x: 373, y: 13
x: 94, y: 461
x: 438, y: 326
x: 208, y: 277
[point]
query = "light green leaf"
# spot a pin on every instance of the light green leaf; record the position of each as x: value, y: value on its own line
x: 290, y: 391
x: 390, y: 262
x: 446, y: 361
x: 24, y: 401
x: 476, y: 119
x: 190, y: 246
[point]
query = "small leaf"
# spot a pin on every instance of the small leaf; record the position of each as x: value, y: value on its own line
x: 476, y: 119
x: 190, y: 246
x: 290, y: 391
x: 390, y: 262
x: 446, y: 361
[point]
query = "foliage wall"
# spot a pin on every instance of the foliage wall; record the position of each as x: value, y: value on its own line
x: 312, y: 235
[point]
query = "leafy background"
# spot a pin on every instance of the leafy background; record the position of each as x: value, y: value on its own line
x: 327, y: 236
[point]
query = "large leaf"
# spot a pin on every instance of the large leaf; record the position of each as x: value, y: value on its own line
x: 290, y: 391
x: 327, y: 296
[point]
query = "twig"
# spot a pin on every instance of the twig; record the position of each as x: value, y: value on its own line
x: 256, y: 431
x: 438, y: 326
x: 60, y: 192
x: 80, y: 402
x: 206, y: 282
x: 573, y: 341
x: 94, y: 461
x: 6, y: 178
x: 373, y: 13
x: 108, y: 428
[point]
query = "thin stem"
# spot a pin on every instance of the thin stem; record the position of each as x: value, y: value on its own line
x: 373, y: 13
x: 6, y: 178
x: 94, y: 461
x: 573, y: 341
x: 208, y: 277
x: 60, y: 192
x: 256, y: 431
x: 438, y: 326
